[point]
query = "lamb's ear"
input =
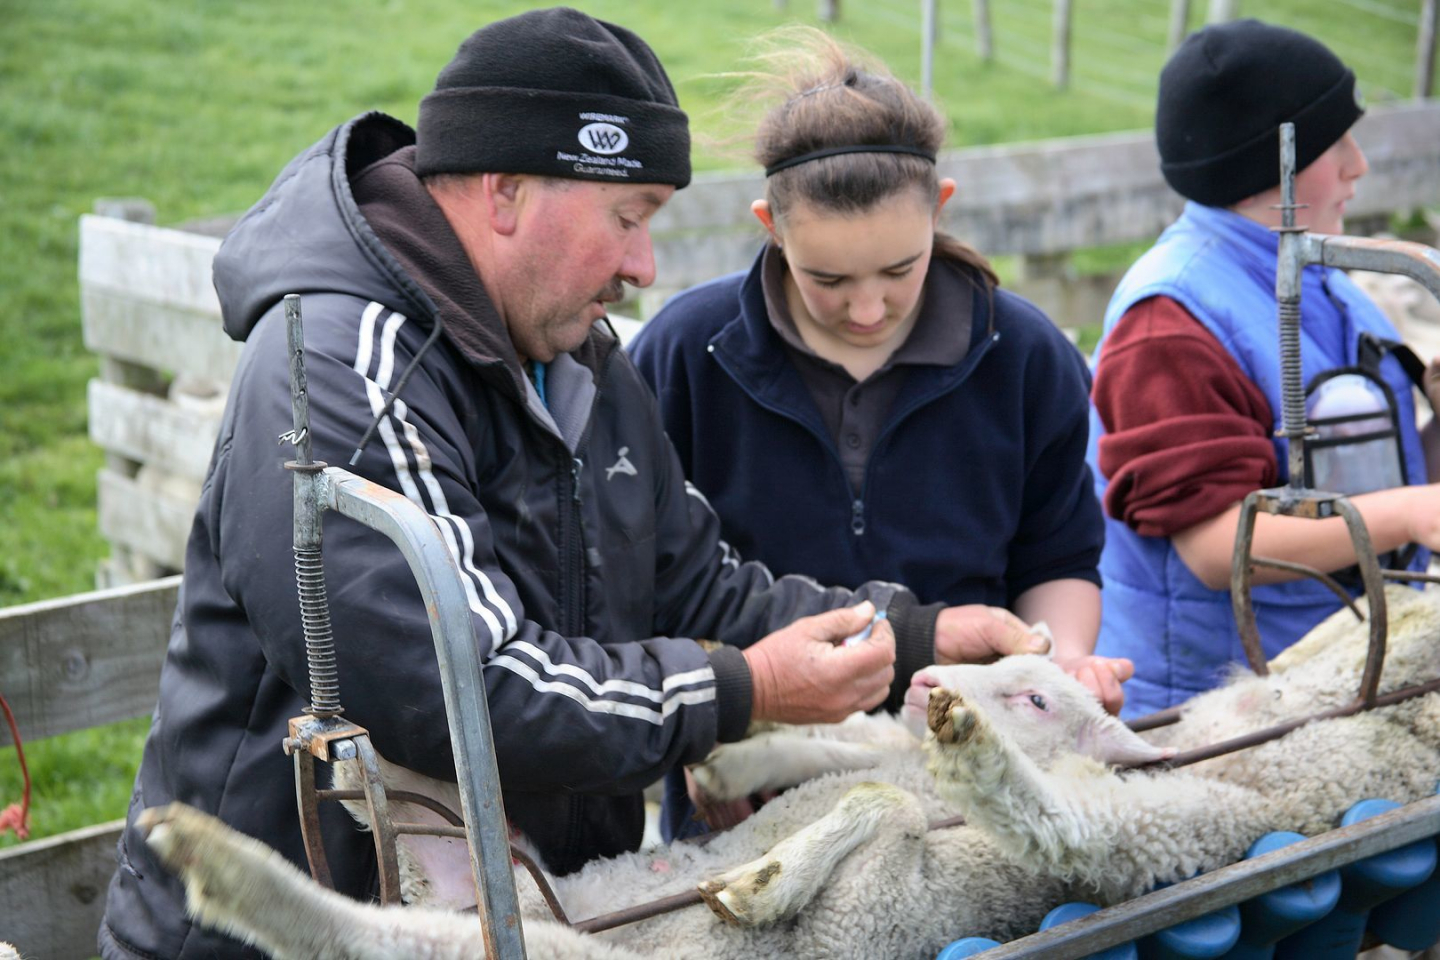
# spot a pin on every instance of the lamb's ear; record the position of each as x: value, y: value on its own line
x: 1110, y: 741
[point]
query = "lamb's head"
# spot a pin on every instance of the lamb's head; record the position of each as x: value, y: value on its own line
x: 1037, y: 706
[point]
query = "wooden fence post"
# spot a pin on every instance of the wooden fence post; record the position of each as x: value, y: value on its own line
x: 1060, y: 50
x: 1425, y: 50
x: 126, y: 565
x: 928, y: 36
x: 1179, y: 22
x: 1223, y: 11
x: 984, y: 42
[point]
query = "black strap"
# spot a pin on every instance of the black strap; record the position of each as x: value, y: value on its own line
x: 1373, y: 349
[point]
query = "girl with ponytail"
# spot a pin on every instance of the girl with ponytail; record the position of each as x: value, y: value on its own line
x: 865, y: 402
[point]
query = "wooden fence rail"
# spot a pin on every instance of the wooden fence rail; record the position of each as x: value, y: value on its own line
x: 67, y: 665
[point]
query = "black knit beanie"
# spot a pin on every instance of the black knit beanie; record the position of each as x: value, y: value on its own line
x: 1223, y: 96
x: 558, y: 93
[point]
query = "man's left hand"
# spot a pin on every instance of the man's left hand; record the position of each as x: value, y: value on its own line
x: 975, y: 633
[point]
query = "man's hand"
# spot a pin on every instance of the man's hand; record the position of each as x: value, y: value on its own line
x: 1103, y: 676
x: 976, y: 633
x: 801, y: 675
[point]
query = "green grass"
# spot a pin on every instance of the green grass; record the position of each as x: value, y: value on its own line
x: 196, y: 105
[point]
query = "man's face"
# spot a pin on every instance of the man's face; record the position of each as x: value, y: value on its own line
x: 574, y: 244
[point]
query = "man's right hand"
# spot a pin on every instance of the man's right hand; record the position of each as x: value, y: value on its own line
x: 800, y: 674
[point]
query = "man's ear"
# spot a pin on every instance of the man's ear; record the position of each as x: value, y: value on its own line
x: 761, y: 209
x: 505, y: 194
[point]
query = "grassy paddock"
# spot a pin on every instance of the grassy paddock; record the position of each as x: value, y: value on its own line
x: 196, y: 105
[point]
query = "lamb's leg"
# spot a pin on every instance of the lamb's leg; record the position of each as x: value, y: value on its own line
x: 237, y: 885
x: 1001, y: 790
x: 775, y: 761
x: 778, y: 885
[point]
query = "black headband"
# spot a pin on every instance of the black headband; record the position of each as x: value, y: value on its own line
x: 775, y: 168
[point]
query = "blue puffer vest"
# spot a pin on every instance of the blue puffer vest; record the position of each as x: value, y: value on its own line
x: 1221, y: 268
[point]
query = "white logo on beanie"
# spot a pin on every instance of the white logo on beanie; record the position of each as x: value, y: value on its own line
x: 603, y: 138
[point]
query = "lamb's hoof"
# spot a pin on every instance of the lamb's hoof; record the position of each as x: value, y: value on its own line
x: 952, y: 720
x: 164, y: 831
x: 710, y: 777
x: 739, y: 897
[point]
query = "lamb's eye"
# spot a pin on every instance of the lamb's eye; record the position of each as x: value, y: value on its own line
x: 1038, y: 700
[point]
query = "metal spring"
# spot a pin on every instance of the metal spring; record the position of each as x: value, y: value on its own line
x: 1293, y: 389
x: 319, y: 640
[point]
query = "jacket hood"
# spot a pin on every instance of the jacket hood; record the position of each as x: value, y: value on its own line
x: 307, y: 235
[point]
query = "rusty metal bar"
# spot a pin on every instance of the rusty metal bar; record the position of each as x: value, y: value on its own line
x: 1375, y: 592
x: 1160, y: 718
x: 306, y: 801
x: 643, y: 911
x: 538, y: 875
x: 1241, y: 575
x: 398, y: 796
x: 1257, y: 737
x: 1340, y: 592
x: 1233, y: 884
x: 377, y: 805
x: 1410, y: 575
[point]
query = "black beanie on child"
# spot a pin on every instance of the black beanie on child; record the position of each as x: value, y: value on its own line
x: 1224, y: 94
x: 558, y: 93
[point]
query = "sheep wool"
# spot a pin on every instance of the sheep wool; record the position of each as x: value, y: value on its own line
x: 844, y: 866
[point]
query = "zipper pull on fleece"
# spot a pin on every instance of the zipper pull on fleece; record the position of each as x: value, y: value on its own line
x: 857, y: 518
x: 576, y: 466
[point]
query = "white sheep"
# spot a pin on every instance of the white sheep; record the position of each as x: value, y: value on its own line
x: 1018, y: 745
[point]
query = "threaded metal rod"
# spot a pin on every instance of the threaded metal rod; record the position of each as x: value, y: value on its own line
x: 1290, y: 264
x: 309, y: 570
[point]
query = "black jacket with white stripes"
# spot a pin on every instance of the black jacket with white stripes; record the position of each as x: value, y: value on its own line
x: 588, y: 559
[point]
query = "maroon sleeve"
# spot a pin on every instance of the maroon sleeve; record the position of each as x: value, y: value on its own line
x: 1187, y: 433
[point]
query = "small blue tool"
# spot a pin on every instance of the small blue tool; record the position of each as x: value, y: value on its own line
x: 864, y: 635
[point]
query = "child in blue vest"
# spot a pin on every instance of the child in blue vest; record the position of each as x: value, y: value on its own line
x: 1187, y: 374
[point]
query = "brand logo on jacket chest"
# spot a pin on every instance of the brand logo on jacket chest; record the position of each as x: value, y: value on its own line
x: 622, y: 465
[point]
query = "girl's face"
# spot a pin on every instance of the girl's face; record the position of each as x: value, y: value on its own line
x: 858, y: 277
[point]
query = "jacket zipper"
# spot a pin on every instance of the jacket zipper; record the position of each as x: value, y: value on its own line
x: 857, y: 505
x: 571, y: 614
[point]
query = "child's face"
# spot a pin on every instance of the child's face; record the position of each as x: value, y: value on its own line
x: 1324, y: 187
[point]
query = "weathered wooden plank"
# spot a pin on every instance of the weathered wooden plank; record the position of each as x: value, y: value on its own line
x: 53, y: 892
x: 1077, y: 192
x: 151, y: 521
x: 84, y: 660
x: 157, y: 264
x: 155, y: 431
x: 156, y: 335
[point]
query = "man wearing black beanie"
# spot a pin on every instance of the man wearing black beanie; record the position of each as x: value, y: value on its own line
x: 1187, y: 374
x: 511, y: 218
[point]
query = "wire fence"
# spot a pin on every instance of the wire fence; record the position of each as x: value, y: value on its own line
x: 1116, y: 50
